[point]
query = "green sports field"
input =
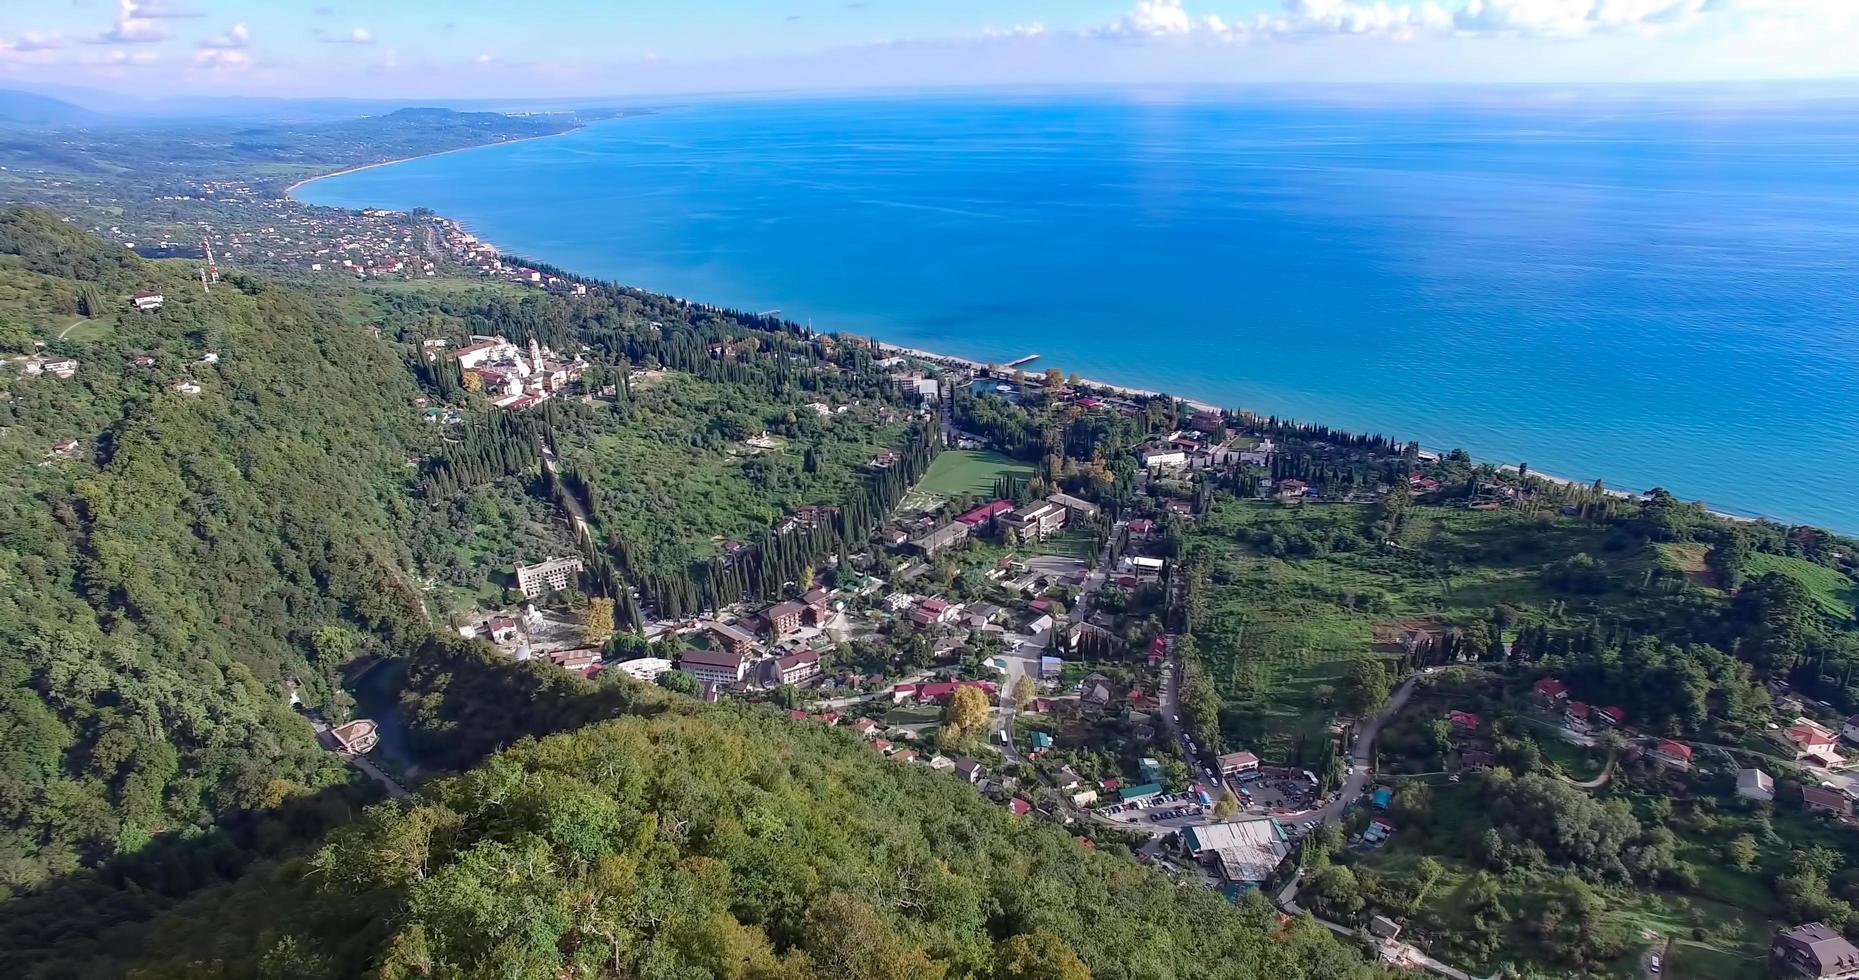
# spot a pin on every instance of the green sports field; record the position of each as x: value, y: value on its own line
x: 969, y: 472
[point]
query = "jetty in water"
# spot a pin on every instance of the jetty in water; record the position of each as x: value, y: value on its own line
x: 1022, y: 362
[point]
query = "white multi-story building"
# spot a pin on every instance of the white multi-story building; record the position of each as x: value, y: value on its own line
x: 543, y: 578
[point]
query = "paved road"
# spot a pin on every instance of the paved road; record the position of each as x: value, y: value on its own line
x: 1363, y: 754
x: 1020, y: 663
x: 575, y: 513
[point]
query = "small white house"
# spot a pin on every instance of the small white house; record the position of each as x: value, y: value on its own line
x: 146, y: 302
x: 1754, y: 784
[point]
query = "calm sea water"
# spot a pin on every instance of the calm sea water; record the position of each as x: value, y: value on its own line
x: 1657, y: 295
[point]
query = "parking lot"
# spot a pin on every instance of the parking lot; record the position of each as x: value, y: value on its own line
x: 1170, y: 810
x: 1277, y: 795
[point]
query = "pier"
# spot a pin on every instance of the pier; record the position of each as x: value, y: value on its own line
x: 1022, y: 362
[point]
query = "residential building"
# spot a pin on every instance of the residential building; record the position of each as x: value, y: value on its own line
x: 713, y: 666
x: 356, y: 737
x: 582, y: 660
x: 932, y: 612
x: 503, y: 629
x: 1610, y: 716
x: 921, y: 389
x: 1820, y: 799
x: 734, y: 639
x: 797, y: 668
x: 1141, y: 527
x: 1551, y: 692
x: 145, y: 302
x: 647, y: 669
x: 1817, y: 951
x: 1812, y: 743
x: 970, y: 770
x: 1084, y: 509
x: 818, y: 611
x: 1161, y: 457
x: 1036, y: 522
x: 482, y: 350
x: 1245, y: 853
x: 545, y: 577
x: 783, y: 618
x: 1755, y: 784
x: 1135, y: 794
x: 1050, y: 668
x: 941, y: 539
x: 986, y: 512
x: 1463, y: 721
x: 1576, y: 715
x: 1239, y: 765
x: 1677, y: 755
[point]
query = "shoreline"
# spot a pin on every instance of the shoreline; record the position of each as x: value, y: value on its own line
x: 289, y: 192
x: 1126, y: 390
x: 1621, y: 493
x: 956, y: 360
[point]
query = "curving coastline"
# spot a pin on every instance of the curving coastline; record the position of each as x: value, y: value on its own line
x: 290, y: 192
x: 1746, y: 512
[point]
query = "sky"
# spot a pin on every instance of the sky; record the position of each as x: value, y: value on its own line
x: 594, y: 48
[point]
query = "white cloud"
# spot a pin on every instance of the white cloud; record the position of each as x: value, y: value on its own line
x: 355, y: 35
x: 1572, y: 18
x: 1154, y: 18
x: 33, y: 41
x: 160, y: 10
x: 118, y: 57
x: 230, y: 59
x: 134, y: 25
x: 1033, y: 29
x: 1402, y: 19
x: 484, y: 59
x: 237, y: 37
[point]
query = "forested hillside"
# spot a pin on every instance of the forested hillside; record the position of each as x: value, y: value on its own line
x: 223, y: 501
x: 727, y: 842
x: 161, y: 577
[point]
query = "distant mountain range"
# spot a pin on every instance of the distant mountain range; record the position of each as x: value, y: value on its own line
x: 69, y: 105
x: 31, y: 109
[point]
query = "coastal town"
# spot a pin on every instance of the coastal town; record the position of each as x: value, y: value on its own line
x: 1362, y: 680
x: 1059, y: 635
x: 1030, y: 645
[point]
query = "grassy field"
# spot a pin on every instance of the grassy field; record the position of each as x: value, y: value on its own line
x: 1576, y: 762
x: 1285, y: 628
x: 82, y: 329
x: 1836, y: 593
x: 1072, y: 543
x: 915, y: 715
x: 969, y: 472
x: 1710, y: 939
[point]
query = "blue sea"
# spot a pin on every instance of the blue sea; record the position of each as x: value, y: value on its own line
x: 1651, y: 291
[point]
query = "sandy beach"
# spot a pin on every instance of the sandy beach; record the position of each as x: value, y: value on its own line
x: 1124, y: 390
x: 292, y: 189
